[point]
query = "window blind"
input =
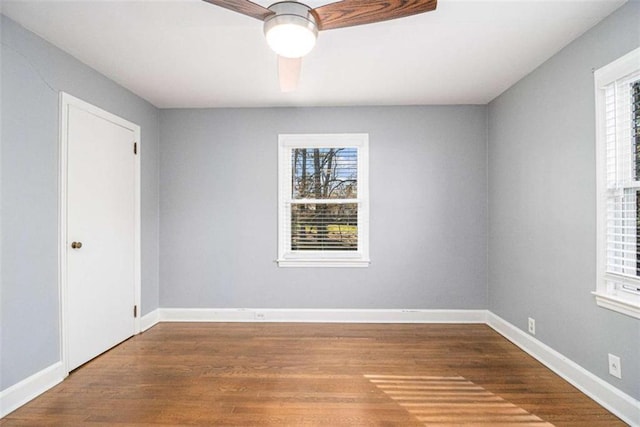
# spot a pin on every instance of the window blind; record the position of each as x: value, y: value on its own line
x: 324, y: 202
x: 622, y: 138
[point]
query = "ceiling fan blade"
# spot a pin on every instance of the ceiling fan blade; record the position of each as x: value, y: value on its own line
x: 289, y: 73
x: 244, y: 7
x: 348, y: 13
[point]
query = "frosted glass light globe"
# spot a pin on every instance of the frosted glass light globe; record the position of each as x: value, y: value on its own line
x: 291, y: 40
x: 292, y: 30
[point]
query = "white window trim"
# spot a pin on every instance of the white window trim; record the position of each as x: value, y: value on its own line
x: 288, y: 258
x: 608, y: 296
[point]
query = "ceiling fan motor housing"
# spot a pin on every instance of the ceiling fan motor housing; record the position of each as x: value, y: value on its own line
x: 293, y: 24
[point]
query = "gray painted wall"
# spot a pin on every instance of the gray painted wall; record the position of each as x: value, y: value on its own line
x: 33, y: 72
x: 542, y: 205
x: 218, y: 209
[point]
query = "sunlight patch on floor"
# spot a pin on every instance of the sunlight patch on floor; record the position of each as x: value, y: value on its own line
x: 452, y: 401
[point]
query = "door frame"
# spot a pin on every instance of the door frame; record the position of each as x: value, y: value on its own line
x: 67, y: 101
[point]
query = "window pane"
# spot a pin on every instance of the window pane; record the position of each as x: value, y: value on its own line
x: 321, y: 226
x: 324, y: 173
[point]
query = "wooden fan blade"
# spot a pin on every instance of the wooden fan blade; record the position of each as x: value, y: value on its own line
x: 348, y: 13
x: 244, y: 7
x: 289, y: 73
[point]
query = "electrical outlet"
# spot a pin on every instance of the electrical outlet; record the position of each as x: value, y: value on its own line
x: 615, y: 368
x: 259, y: 315
x: 532, y: 326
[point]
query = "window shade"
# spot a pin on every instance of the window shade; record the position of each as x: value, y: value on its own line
x: 622, y: 133
x: 329, y: 175
x: 324, y: 227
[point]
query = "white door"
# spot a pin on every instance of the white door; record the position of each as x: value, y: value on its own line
x: 101, y: 229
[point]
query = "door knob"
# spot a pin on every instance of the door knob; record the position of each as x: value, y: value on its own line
x: 76, y: 245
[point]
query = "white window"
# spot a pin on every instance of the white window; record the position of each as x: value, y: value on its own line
x: 323, y: 209
x: 618, y: 181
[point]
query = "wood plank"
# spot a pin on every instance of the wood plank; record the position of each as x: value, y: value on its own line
x: 266, y: 374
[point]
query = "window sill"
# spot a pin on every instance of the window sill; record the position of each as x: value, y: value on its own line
x: 629, y: 305
x: 323, y: 263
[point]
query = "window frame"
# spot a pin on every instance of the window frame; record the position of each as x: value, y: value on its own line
x: 610, y: 290
x: 307, y: 258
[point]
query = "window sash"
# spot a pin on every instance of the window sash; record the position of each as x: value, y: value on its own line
x: 323, y: 229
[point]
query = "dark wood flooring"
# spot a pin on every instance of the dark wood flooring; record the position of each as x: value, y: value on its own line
x: 265, y: 374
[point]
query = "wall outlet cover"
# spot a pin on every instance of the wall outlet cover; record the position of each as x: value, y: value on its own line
x: 532, y: 326
x: 615, y: 368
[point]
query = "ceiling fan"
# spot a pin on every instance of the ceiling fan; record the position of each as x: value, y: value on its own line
x: 291, y: 28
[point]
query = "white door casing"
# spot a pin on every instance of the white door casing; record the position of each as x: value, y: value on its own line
x: 100, y: 208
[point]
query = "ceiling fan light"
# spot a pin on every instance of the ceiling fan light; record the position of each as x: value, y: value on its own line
x: 290, y: 40
x: 292, y: 31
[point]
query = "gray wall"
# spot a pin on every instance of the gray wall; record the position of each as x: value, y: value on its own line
x: 218, y: 209
x: 33, y: 72
x: 542, y: 200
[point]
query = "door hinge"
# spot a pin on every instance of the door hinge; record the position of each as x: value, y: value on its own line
x: 135, y: 311
x: 135, y: 148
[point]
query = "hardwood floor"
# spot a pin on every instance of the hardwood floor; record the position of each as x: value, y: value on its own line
x: 259, y: 374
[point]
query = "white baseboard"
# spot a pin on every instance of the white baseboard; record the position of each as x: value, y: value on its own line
x: 29, y: 388
x: 619, y: 403
x: 149, y: 320
x: 321, y: 315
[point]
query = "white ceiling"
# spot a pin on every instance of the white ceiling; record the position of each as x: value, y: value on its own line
x: 189, y: 53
